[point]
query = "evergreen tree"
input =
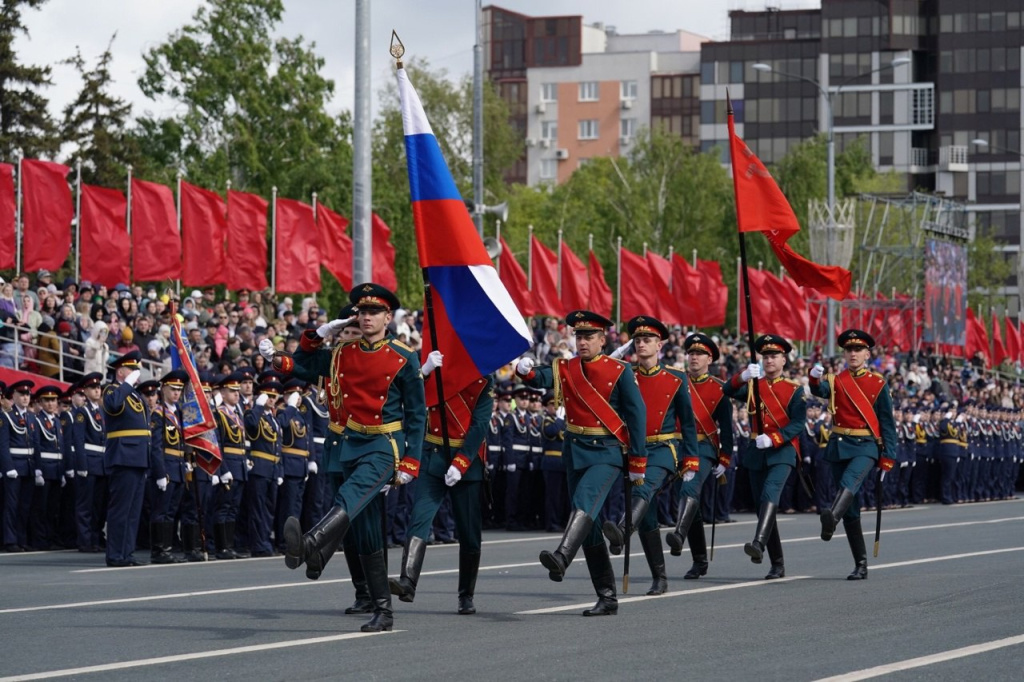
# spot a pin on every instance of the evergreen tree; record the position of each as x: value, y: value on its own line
x: 25, y: 121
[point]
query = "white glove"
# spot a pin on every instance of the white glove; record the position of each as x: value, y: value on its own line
x: 39, y: 478
x: 763, y: 441
x: 817, y: 370
x: 404, y: 478
x: 189, y: 468
x: 63, y: 482
x: 718, y: 471
x: 453, y: 476
x: 218, y: 399
x: 214, y: 480
x: 70, y: 473
x: 904, y: 465
x: 262, y: 399
x: 525, y: 366
x: 961, y: 418
x: 807, y: 460
x: 434, y: 360
x: 510, y: 468
x: 280, y: 480
x: 386, y: 489
x: 916, y: 419
x: 332, y: 327
x: 226, y: 478
x: 490, y: 467
x: 13, y: 473
x: 688, y: 475
x: 82, y: 474
x: 312, y: 468
x: 634, y: 477
x: 133, y: 377
x: 161, y: 483
x: 267, y: 349
x: 249, y: 465
x: 622, y: 351
x: 294, y: 398
x: 753, y: 371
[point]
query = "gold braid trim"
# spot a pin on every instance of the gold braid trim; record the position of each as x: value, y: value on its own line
x: 335, y: 382
x: 556, y: 381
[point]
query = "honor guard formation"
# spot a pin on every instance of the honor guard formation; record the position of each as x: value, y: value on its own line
x: 328, y: 444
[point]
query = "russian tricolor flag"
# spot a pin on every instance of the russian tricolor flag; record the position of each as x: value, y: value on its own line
x: 479, y: 328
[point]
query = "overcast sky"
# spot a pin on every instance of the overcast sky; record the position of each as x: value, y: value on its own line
x: 439, y: 30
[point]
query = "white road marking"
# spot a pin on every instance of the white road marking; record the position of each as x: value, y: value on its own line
x: 194, y: 656
x: 946, y: 557
x: 922, y: 661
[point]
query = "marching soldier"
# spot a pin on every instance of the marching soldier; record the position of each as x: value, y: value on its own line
x: 778, y: 422
x: 49, y: 468
x: 379, y: 379
x: 17, y: 459
x: 234, y: 471
x: 517, y: 461
x: 267, y: 474
x: 91, y: 489
x: 605, y: 417
x: 671, y: 446
x: 712, y: 415
x: 167, y: 473
x: 454, y: 471
x: 556, y: 500
x: 863, y: 434
x: 127, y: 458
x: 295, y: 448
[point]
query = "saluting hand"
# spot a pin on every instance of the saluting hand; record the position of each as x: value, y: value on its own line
x: 332, y: 327
x: 294, y: 398
x: 133, y: 378
x: 262, y: 399
x: 817, y: 370
x: 266, y: 347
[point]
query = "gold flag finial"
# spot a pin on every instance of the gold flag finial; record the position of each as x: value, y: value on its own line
x: 397, y: 48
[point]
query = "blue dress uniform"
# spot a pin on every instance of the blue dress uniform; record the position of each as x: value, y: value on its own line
x: 948, y: 455
x: 517, y: 461
x: 467, y: 415
x: 67, y: 530
x: 49, y: 446
x: 919, y: 477
x: 234, y: 470
x: 907, y: 436
x: 168, y: 469
x: 91, y: 484
x: 17, y: 460
x: 556, y: 499
x: 671, y: 439
x: 378, y: 381
x: 315, y: 414
x: 863, y: 434
x: 127, y: 460
x: 605, y: 419
x: 295, y: 448
x: 267, y: 473
x: 499, y: 443
x: 783, y: 412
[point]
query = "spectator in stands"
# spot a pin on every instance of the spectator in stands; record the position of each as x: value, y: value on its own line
x: 127, y: 343
x: 97, y: 350
x: 48, y: 358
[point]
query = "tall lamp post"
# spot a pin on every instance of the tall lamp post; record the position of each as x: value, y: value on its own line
x: 828, y: 96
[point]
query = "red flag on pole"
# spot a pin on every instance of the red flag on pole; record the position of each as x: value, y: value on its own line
x: 686, y: 290
x: 204, y: 228
x: 575, y: 282
x: 663, y: 302
x: 544, y: 271
x: 600, y: 292
x: 156, y: 244
x: 512, y: 276
x: 8, y: 211
x: 636, y: 286
x: 1012, y: 340
x: 977, y: 338
x: 762, y: 207
x: 247, y: 241
x: 298, y: 257
x: 104, y: 241
x: 46, y: 214
x: 798, y: 319
x: 763, y: 304
x: 335, y: 245
x: 714, y: 295
x: 999, y: 351
x: 383, y: 255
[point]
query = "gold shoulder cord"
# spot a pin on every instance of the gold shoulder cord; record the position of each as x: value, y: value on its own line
x: 830, y: 379
x: 335, y: 382
x: 556, y: 381
x: 268, y: 434
x: 135, y: 403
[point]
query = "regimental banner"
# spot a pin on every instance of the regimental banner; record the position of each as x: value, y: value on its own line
x: 196, y: 414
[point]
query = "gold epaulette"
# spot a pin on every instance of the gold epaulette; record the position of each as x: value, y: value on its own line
x: 396, y: 342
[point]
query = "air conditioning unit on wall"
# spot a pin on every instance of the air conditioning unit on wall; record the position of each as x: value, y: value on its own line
x: 561, y: 154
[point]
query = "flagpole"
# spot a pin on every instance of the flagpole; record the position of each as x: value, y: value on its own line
x: 78, y: 218
x: 695, y: 259
x: 529, y: 261
x: 128, y: 224
x: 497, y: 237
x: 177, y: 285
x: 313, y: 197
x: 20, y: 155
x: 559, y: 287
x: 273, y: 240
x: 618, y: 283
x: 739, y: 293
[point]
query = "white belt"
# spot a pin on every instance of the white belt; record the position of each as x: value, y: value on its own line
x: 50, y: 455
x: 536, y: 448
x: 319, y: 440
x: 22, y: 451
x: 92, y: 447
x: 523, y: 448
x: 494, y: 448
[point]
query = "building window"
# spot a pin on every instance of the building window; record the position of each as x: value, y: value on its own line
x: 885, y: 148
x: 549, y: 130
x: 549, y: 92
x: 627, y: 90
x: 548, y: 169
x: 588, y: 129
x: 588, y: 91
x: 707, y: 73
x: 627, y: 127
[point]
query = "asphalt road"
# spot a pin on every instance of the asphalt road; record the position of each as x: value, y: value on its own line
x: 944, y: 601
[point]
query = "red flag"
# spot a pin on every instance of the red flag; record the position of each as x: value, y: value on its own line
x: 799, y: 318
x: 512, y: 276
x: 636, y: 286
x: 600, y: 292
x: 575, y: 283
x: 156, y: 243
x: 977, y: 338
x: 686, y: 291
x: 761, y: 303
x: 762, y: 207
x: 46, y: 214
x: 298, y: 258
x: 335, y: 245
x: 383, y: 255
x: 247, y: 241
x: 544, y: 273
x: 105, y: 247
x: 204, y: 228
x: 714, y: 295
x: 8, y: 210
x: 999, y: 351
x: 663, y: 294
x: 1012, y: 340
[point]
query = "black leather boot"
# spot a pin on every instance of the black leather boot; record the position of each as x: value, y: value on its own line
x: 651, y: 542
x: 576, y: 531
x: 688, y: 508
x: 161, y: 539
x: 855, y: 536
x: 301, y: 548
x: 778, y: 569
x: 362, y: 604
x: 220, y: 541
x: 616, y: 532
x: 412, y: 562
x: 765, y: 521
x: 601, y: 574
x: 229, y: 534
x: 377, y: 582
x: 830, y: 517
x: 469, y: 566
x: 190, y: 542
x: 698, y: 550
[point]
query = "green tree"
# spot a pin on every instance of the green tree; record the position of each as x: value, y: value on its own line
x: 25, y: 121
x: 988, y: 269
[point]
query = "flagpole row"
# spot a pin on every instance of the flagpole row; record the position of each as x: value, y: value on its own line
x: 273, y: 239
x: 177, y: 200
x: 618, y: 283
x: 128, y: 225
x: 78, y: 217
x: 18, y: 218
